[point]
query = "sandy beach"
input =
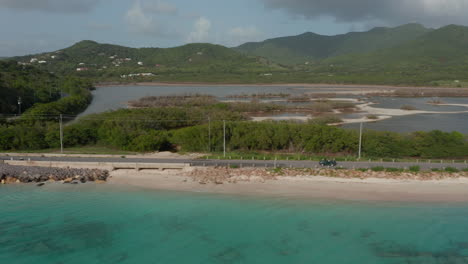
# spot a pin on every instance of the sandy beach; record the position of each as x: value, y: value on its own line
x: 450, y: 189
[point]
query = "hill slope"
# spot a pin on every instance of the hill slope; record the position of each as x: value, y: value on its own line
x: 33, y: 86
x: 91, y: 59
x: 312, y: 47
x: 442, y: 52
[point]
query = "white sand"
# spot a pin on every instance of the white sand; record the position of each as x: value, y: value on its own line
x: 448, y: 190
x: 463, y: 105
x: 386, y: 113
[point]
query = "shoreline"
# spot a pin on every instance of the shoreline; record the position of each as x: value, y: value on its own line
x: 306, y: 186
x: 305, y: 85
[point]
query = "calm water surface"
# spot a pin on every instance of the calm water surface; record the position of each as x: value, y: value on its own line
x: 115, y: 97
x: 102, y: 224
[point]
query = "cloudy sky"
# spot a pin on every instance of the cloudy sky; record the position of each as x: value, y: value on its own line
x: 30, y: 26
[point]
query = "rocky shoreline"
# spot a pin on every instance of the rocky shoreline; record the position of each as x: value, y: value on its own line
x: 40, y: 175
x: 221, y: 175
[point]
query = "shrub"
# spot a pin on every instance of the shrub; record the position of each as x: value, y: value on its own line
x: 408, y: 108
x: 326, y: 119
x: 415, y: 168
x: 451, y: 170
x: 378, y: 169
x: 151, y: 141
x: 393, y: 170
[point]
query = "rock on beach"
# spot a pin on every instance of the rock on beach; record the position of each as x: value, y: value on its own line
x: 22, y: 174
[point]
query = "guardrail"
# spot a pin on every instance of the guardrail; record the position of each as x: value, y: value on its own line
x: 111, y: 166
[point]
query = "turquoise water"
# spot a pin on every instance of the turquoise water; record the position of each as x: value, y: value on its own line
x: 102, y: 224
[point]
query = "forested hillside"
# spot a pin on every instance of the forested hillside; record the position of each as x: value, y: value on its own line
x: 441, y: 54
x: 33, y: 86
x: 405, y: 55
x: 310, y: 47
x: 105, y: 61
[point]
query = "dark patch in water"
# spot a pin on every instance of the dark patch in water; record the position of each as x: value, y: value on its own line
x: 303, y: 226
x: 284, y: 246
x: 91, y: 234
x: 118, y: 258
x: 208, y: 239
x: 39, y: 238
x: 367, y: 233
x: 335, y: 233
x: 229, y: 255
x: 410, y: 254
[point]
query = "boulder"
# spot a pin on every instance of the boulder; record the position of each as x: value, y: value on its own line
x: 10, y: 180
x: 68, y: 180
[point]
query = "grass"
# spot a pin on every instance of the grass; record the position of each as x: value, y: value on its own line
x: 273, y: 156
x: 247, y: 155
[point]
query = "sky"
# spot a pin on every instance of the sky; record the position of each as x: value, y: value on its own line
x: 33, y: 26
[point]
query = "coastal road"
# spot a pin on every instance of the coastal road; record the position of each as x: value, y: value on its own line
x: 244, y: 163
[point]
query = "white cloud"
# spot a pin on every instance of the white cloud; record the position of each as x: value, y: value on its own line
x: 60, y: 6
x: 137, y: 20
x: 141, y: 20
x: 241, y: 35
x: 201, y: 31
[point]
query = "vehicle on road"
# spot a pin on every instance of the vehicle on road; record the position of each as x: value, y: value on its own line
x: 328, y: 163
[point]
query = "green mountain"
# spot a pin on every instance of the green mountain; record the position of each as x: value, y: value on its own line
x: 310, y: 47
x: 441, y: 54
x: 104, y: 61
x: 407, y: 55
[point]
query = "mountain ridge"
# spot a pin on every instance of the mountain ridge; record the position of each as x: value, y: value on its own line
x: 308, y: 47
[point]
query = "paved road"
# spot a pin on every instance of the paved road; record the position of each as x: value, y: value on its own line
x: 246, y: 163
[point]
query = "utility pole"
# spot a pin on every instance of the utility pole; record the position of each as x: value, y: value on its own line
x: 61, y: 134
x: 19, y: 105
x: 224, y: 144
x: 209, y: 134
x: 360, y: 141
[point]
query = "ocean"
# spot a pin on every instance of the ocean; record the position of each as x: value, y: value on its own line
x: 109, y: 224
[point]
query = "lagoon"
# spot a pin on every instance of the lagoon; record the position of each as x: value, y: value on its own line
x: 115, y: 97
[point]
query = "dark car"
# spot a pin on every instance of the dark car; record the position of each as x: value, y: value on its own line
x: 327, y: 163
